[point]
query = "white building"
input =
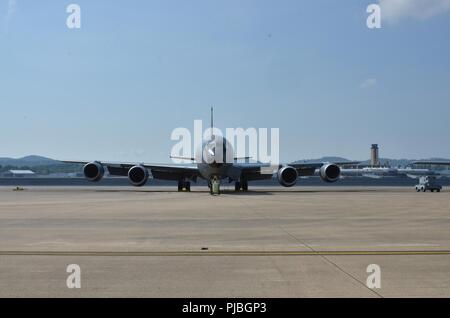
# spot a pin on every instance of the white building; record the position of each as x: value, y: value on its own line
x: 19, y: 174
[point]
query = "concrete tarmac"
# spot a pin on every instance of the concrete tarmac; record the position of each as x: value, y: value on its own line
x: 269, y: 242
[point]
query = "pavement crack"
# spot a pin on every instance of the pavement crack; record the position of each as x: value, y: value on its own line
x: 314, y: 251
x: 332, y: 263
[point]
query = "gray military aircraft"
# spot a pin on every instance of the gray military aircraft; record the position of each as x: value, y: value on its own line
x: 213, y: 167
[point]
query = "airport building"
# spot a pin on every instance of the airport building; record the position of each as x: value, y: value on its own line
x: 19, y: 174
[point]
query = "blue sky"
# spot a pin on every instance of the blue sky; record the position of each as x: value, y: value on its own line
x: 116, y: 88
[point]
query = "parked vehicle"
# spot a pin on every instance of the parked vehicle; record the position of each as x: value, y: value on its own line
x: 428, y: 183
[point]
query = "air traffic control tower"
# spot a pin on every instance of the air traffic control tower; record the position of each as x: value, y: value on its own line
x: 374, y: 156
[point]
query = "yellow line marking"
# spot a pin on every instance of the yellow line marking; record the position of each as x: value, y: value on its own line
x: 222, y: 253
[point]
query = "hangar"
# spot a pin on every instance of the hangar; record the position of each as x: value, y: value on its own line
x: 19, y: 174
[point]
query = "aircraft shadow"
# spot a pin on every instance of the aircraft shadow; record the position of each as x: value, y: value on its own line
x: 247, y: 193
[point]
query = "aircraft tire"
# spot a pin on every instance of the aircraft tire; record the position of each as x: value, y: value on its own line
x: 184, y: 186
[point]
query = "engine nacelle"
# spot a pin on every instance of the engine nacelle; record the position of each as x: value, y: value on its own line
x: 94, y: 171
x: 330, y: 172
x: 138, y: 176
x: 287, y: 176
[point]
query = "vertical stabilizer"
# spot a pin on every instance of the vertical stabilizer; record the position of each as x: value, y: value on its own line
x: 212, y: 122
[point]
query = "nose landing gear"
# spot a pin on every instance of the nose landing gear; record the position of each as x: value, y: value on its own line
x: 214, y: 186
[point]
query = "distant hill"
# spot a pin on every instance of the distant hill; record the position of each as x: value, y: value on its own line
x: 40, y: 165
x: 323, y: 159
x: 29, y: 161
x: 390, y: 162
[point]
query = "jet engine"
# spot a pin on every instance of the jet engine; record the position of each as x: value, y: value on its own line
x: 93, y: 171
x: 287, y: 176
x: 330, y: 172
x: 138, y: 175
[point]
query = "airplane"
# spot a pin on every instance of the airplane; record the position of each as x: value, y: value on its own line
x: 211, y: 168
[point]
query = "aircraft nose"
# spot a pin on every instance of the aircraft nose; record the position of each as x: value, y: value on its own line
x: 211, y: 153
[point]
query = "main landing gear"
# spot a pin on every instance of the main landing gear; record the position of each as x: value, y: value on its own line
x: 241, y: 185
x: 184, y: 186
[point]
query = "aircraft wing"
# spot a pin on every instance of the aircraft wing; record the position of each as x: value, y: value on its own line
x: 372, y: 176
x: 309, y: 168
x: 412, y: 176
x: 253, y: 171
x: 260, y: 171
x: 158, y: 171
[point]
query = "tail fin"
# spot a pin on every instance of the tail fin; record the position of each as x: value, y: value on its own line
x: 212, y: 122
